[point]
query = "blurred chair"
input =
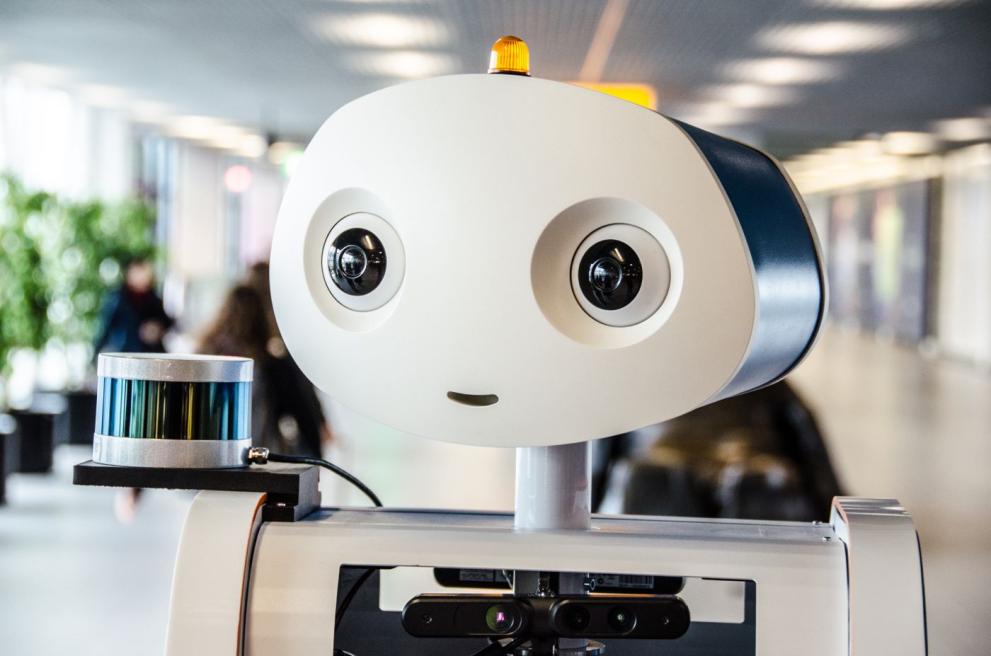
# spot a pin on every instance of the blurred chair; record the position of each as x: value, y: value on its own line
x: 756, y: 456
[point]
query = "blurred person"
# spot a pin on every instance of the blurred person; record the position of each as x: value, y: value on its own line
x: 258, y: 278
x: 283, y: 416
x: 133, y: 319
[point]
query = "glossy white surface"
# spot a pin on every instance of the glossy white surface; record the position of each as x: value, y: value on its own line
x: 209, y: 584
x: 552, y: 487
x: 800, y: 575
x: 886, y: 601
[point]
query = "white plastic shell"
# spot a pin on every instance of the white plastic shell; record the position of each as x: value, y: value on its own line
x: 492, y: 182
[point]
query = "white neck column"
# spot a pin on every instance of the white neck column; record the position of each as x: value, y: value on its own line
x: 552, y: 487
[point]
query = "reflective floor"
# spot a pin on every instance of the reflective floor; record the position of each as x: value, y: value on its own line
x: 74, y: 580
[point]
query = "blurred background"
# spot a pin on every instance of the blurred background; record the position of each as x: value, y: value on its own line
x: 144, y: 150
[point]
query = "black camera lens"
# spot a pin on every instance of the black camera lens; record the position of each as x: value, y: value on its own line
x: 576, y: 617
x: 606, y: 274
x: 352, y: 262
x: 621, y: 619
x: 501, y: 618
x: 356, y: 261
x: 610, y: 274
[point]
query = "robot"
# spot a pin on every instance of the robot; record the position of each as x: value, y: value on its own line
x: 501, y: 260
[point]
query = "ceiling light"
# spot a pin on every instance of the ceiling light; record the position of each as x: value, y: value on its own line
x: 964, y: 129
x: 229, y: 137
x: 908, y: 143
x: 834, y: 37
x: 750, y: 95
x: 40, y: 73
x: 381, y: 30
x: 217, y: 134
x: 407, y: 64
x: 714, y: 115
x: 884, y: 5
x: 782, y: 70
x: 251, y: 146
x: 147, y: 111
x: 863, y: 148
x: 192, y: 127
x: 102, y: 95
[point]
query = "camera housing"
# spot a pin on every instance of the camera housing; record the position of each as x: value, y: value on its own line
x: 456, y: 616
x: 657, y: 617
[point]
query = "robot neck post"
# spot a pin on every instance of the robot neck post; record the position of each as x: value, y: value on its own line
x: 552, y: 488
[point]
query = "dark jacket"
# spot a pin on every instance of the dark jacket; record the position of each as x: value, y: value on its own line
x: 121, y: 319
x: 286, y: 415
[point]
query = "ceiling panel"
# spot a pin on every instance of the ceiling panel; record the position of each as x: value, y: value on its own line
x: 284, y: 66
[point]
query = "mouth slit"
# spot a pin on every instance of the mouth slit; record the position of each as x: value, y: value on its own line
x: 477, y: 400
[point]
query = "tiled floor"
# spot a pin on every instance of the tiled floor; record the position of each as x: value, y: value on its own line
x: 73, y: 580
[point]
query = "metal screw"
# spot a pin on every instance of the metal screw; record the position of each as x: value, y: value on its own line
x: 257, y: 455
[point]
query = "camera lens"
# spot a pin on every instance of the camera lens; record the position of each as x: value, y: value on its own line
x: 610, y: 274
x: 576, y: 617
x: 352, y: 262
x: 621, y: 619
x: 501, y: 618
x: 356, y: 261
x: 606, y: 274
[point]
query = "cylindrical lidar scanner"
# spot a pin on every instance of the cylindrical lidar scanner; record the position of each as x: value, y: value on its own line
x: 177, y: 411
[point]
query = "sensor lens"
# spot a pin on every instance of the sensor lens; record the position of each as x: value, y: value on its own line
x: 356, y: 261
x: 621, y: 619
x: 501, y: 618
x: 610, y: 274
x: 606, y: 274
x: 577, y: 618
x: 352, y: 262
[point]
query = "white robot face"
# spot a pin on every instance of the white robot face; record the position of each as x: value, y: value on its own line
x: 506, y: 261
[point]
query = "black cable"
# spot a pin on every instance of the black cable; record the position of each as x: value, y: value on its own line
x: 320, y: 462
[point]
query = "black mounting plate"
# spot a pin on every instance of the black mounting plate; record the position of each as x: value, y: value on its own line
x: 291, y: 490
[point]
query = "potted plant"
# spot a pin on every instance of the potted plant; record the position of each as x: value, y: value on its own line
x: 93, y: 242
x: 57, y: 259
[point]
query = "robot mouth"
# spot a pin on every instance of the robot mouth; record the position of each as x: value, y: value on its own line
x: 477, y: 400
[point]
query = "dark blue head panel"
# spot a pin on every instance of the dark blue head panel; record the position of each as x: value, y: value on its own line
x: 790, y: 282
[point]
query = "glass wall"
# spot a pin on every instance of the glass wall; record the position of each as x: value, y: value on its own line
x: 907, y: 255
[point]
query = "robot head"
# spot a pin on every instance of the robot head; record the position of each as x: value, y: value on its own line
x: 507, y: 261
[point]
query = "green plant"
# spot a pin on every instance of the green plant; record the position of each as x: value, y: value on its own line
x: 57, y: 259
x: 94, y: 242
x: 26, y: 220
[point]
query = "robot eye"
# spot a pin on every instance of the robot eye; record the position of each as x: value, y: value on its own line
x: 610, y: 274
x: 620, y: 275
x: 363, y: 262
x: 356, y: 261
